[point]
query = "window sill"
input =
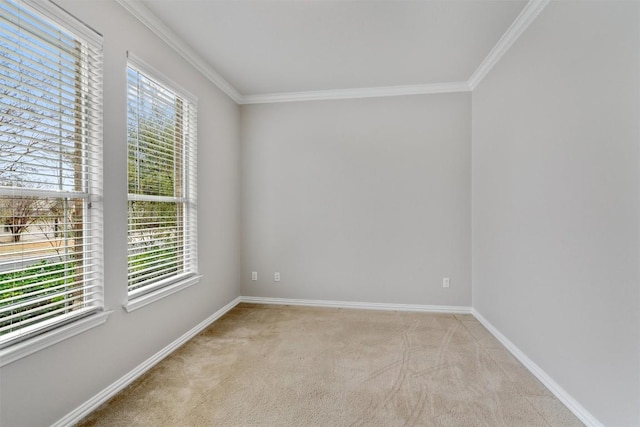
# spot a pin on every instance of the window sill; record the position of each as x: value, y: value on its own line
x: 142, y: 300
x: 40, y: 342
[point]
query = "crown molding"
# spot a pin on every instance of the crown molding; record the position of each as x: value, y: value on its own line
x: 515, y: 30
x: 148, y: 18
x: 367, y: 92
x: 519, y: 25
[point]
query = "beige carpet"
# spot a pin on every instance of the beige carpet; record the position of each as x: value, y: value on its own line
x: 300, y: 366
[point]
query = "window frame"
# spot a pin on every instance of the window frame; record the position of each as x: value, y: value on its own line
x: 167, y: 285
x: 30, y: 339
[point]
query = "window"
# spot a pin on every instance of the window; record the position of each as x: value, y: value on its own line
x: 162, y: 241
x: 50, y: 170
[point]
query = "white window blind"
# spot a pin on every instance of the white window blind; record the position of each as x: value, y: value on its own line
x: 162, y: 237
x: 50, y: 169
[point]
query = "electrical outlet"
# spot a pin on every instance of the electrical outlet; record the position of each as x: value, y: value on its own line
x: 276, y: 276
x: 254, y: 275
x: 445, y: 282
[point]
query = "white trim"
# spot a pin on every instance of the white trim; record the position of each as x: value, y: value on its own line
x: 519, y: 25
x: 360, y: 305
x: 39, y: 342
x: 90, y: 405
x: 38, y: 192
x: 572, y: 404
x: 366, y: 92
x: 146, y: 299
x: 133, y: 197
x: 144, y: 15
x: 522, y: 21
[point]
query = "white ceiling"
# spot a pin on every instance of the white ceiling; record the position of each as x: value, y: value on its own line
x: 283, y: 46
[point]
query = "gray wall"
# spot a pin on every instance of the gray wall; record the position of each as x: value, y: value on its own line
x: 370, y: 200
x: 358, y: 200
x: 42, y: 388
x: 555, y: 201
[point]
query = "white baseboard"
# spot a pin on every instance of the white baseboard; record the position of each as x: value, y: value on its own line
x: 361, y: 305
x: 90, y: 405
x: 573, y: 405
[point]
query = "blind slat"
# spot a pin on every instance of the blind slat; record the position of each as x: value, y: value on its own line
x: 41, y: 277
x: 28, y: 297
x: 67, y: 304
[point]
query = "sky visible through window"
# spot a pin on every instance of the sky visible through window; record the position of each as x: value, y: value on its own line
x: 38, y: 105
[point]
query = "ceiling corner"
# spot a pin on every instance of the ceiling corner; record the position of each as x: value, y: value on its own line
x: 515, y: 30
